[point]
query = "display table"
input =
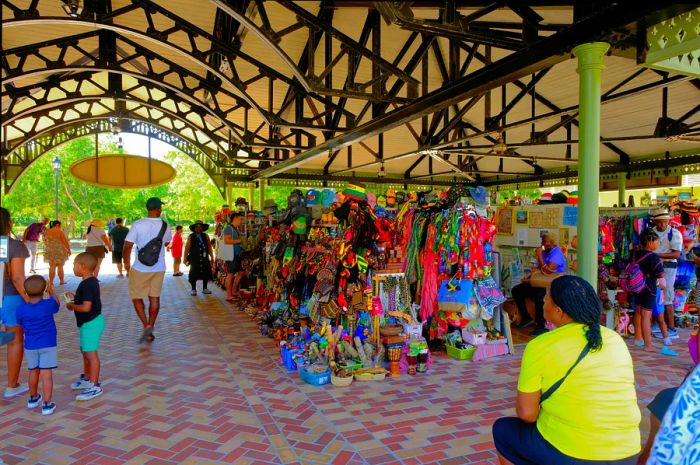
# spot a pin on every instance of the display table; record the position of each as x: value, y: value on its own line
x: 485, y: 351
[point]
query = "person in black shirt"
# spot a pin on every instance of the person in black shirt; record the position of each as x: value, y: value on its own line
x: 88, y: 315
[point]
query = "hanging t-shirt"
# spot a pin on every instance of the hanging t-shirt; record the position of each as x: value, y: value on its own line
x: 594, y: 414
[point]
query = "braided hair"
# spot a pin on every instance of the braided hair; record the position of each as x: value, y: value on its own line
x: 577, y: 298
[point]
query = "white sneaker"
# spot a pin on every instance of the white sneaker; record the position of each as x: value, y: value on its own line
x: 82, y: 384
x: 11, y: 392
x: 90, y: 393
x: 206, y: 291
x: 668, y: 342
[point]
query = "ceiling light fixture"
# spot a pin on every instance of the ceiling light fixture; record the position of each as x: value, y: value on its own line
x: 382, y: 171
x: 72, y: 8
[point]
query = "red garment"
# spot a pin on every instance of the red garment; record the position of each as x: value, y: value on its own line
x: 176, y: 246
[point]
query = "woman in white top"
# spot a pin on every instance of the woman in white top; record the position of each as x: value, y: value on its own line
x: 98, y: 242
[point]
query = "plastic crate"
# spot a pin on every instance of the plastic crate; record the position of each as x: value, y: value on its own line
x: 287, y: 359
x: 460, y: 354
x: 315, y: 379
x: 473, y: 339
x: 350, y: 365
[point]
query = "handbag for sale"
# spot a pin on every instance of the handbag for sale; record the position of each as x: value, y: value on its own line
x: 539, y: 279
x: 454, y: 295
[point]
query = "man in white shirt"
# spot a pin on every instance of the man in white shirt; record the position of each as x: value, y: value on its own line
x: 146, y: 281
x: 670, y: 246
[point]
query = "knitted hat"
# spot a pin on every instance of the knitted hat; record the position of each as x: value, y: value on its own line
x: 327, y: 197
x: 690, y: 208
x: 355, y: 192
x: 546, y: 198
x: 313, y: 197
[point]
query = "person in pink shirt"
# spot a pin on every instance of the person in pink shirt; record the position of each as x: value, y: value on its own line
x: 175, y: 248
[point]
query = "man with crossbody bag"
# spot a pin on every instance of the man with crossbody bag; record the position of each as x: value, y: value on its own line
x: 150, y: 235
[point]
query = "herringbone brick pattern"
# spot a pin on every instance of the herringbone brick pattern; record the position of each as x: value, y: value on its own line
x: 210, y: 390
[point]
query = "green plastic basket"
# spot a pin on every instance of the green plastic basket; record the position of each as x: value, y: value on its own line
x: 460, y: 354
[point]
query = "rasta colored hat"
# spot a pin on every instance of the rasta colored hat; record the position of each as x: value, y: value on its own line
x: 690, y: 208
x: 660, y: 213
x: 546, y: 198
x: 355, y: 192
x: 205, y: 226
x: 313, y: 197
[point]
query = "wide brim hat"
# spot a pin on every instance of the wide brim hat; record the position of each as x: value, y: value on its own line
x: 205, y: 226
x: 480, y: 195
x: 660, y: 213
x: 269, y: 204
x: 96, y: 222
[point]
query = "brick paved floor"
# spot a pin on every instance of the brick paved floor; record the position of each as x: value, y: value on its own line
x: 210, y: 390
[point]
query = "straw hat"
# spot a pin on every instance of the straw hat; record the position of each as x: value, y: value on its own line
x: 660, y: 213
x: 96, y: 222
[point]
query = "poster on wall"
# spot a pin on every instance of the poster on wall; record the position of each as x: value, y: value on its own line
x: 552, y: 218
x: 522, y: 237
x: 564, y: 238
x: 504, y: 221
x: 536, y: 220
x: 521, y: 217
x: 570, y: 216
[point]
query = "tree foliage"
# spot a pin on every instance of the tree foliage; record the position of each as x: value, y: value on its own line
x: 190, y: 196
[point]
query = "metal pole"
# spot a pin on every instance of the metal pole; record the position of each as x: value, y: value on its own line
x: 621, y: 189
x: 590, y: 69
x: 55, y: 196
x: 262, y: 194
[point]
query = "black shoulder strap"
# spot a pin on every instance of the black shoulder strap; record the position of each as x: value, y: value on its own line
x: 556, y: 385
x: 162, y: 230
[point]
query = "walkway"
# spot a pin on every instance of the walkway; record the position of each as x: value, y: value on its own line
x: 210, y: 390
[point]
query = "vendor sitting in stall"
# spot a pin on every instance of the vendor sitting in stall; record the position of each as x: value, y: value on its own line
x: 550, y: 259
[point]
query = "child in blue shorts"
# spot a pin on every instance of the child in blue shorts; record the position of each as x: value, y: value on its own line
x: 36, y: 319
x: 87, y: 306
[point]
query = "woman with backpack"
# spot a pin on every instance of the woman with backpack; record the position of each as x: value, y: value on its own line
x: 652, y: 270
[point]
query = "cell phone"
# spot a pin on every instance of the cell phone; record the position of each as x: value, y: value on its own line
x: 67, y: 297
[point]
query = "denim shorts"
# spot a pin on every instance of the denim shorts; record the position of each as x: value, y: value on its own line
x: 8, y: 313
x: 43, y: 359
x: 523, y: 444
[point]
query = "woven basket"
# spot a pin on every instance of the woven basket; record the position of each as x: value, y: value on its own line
x: 341, y: 382
x: 391, y: 330
x: 368, y: 377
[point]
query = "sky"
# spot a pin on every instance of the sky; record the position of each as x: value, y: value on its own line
x: 136, y: 144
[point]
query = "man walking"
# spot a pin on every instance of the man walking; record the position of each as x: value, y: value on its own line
x: 234, y: 268
x: 118, y: 234
x: 31, y: 237
x: 669, y: 249
x: 147, y: 281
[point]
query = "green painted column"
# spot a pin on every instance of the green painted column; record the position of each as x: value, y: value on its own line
x: 621, y: 189
x: 262, y: 194
x: 590, y: 68
x: 251, y: 196
x: 229, y: 194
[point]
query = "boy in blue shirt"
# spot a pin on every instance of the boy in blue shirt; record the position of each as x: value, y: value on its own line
x: 87, y: 305
x: 36, y: 319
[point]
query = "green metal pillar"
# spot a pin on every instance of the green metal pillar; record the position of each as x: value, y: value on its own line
x: 590, y: 68
x: 262, y: 194
x: 251, y: 196
x: 229, y: 194
x: 621, y: 189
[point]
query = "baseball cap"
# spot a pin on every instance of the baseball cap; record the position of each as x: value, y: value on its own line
x: 153, y: 203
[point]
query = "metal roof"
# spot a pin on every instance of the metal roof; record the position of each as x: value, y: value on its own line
x: 259, y: 89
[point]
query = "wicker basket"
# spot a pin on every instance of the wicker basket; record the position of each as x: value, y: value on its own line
x: 391, y: 330
x: 341, y: 382
x: 370, y: 377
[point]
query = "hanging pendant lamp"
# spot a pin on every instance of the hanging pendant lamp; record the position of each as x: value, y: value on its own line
x: 122, y: 171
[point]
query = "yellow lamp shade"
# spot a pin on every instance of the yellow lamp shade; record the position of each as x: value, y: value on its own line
x: 122, y: 171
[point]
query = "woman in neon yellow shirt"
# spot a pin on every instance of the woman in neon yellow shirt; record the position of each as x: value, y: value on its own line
x: 576, y: 400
